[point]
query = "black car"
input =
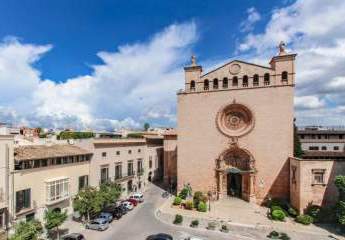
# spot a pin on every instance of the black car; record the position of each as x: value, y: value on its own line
x: 74, y: 236
x: 117, y: 212
x: 160, y: 236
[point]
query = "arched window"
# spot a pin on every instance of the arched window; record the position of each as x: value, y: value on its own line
x: 215, y: 83
x: 192, y: 85
x: 225, y: 82
x: 245, y: 81
x: 256, y: 80
x: 284, y: 76
x: 206, y: 84
x: 235, y: 81
x: 267, y: 79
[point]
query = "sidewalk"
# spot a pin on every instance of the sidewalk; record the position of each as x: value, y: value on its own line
x: 240, y: 214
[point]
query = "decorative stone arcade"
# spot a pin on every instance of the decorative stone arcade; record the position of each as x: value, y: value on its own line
x: 233, y: 165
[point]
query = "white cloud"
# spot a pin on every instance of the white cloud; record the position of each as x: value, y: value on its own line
x: 314, y: 30
x: 120, y: 92
x: 253, y: 17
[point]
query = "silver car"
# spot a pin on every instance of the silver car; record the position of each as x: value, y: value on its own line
x: 99, y: 224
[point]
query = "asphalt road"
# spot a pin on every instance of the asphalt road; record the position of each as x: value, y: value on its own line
x: 141, y: 222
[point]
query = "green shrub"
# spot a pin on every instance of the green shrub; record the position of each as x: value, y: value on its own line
x: 276, y: 235
x: 284, y: 236
x: 194, y: 223
x: 202, y: 207
x: 276, y: 208
x: 225, y: 228
x: 292, y: 212
x: 183, y: 194
x: 279, y: 202
x: 304, y: 219
x: 273, y: 235
x: 278, y: 215
x: 199, y: 197
x: 189, y: 205
x: 177, y: 201
x: 178, y: 219
x: 211, y: 225
x: 313, y: 211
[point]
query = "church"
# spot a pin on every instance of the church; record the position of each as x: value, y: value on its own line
x: 235, y: 128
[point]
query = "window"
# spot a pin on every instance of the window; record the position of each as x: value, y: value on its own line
x: 340, y: 136
x: 192, y: 85
x: 139, y: 150
x: 104, y: 154
x: 302, y: 136
x: 314, y: 148
x: 206, y: 85
x: 150, y: 162
x: 284, y: 76
x: 118, y: 171
x: 44, y: 162
x: 267, y: 79
x: 58, y: 161
x: 140, y: 167
x: 117, y: 152
x: 324, y: 148
x: 225, y: 83
x: 104, y: 174
x: 129, y: 151
x: 130, y: 171
x: 215, y: 83
x: 83, y: 182
x: 235, y: 81
x: 129, y: 186
x: 318, y: 176
x: 37, y: 163
x: 319, y: 136
x: 2, y: 220
x: 245, y: 81
x: 57, y: 189
x: 256, y: 80
x: 23, y: 199
x: 336, y: 148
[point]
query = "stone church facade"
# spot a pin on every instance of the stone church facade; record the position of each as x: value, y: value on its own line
x: 235, y: 128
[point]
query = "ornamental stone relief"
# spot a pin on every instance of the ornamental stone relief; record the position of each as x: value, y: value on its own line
x: 235, y: 120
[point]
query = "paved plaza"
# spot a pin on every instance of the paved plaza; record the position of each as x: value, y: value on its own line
x: 155, y: 215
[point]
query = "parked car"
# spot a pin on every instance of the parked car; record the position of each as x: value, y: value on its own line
x: 127, y: 205
x: 115, y: 211
x: 73, y: 236
x: 123, y: 209
x: 138, y: 196
x: 133, y: 201
x: 160, y: 236
x: 99, y: 224
x: 106, y: 216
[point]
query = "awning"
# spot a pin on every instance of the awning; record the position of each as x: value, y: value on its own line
x: 236, y: 170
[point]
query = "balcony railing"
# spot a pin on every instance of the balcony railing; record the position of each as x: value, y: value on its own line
x: 122, y: 178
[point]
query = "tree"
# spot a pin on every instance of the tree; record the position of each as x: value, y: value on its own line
x: 88, y: 202
x: 27, y: 230
x: 298, y: 152
x: 110, y: 192
x: 54, y: 219
x: 146, y: 126
x: 340, y: 206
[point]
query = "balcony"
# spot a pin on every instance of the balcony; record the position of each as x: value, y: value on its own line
x: 140, y: 172
x: 123, y: 178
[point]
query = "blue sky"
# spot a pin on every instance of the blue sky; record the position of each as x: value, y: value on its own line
x: 80, y: 29
x: 114, y: 64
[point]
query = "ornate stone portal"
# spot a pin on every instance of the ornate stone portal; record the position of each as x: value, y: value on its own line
x: 236, y: 161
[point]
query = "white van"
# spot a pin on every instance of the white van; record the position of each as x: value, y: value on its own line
x: 138, y: 196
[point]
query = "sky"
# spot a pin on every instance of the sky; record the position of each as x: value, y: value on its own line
x: 107, y: 64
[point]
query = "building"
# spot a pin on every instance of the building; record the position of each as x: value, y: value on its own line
x: 312, y: 178
x: 39, y: 177
x: 6, y: 156
x: 235, y: 128
x: 47, y: 177
x: 170, y: 159
x: 322, y: 139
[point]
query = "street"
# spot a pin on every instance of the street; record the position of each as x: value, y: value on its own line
x: 141, y: 222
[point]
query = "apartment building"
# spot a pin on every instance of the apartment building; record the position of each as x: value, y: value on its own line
x: 6, y: 156
x: 47, y: 177
x: 321, y: 139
